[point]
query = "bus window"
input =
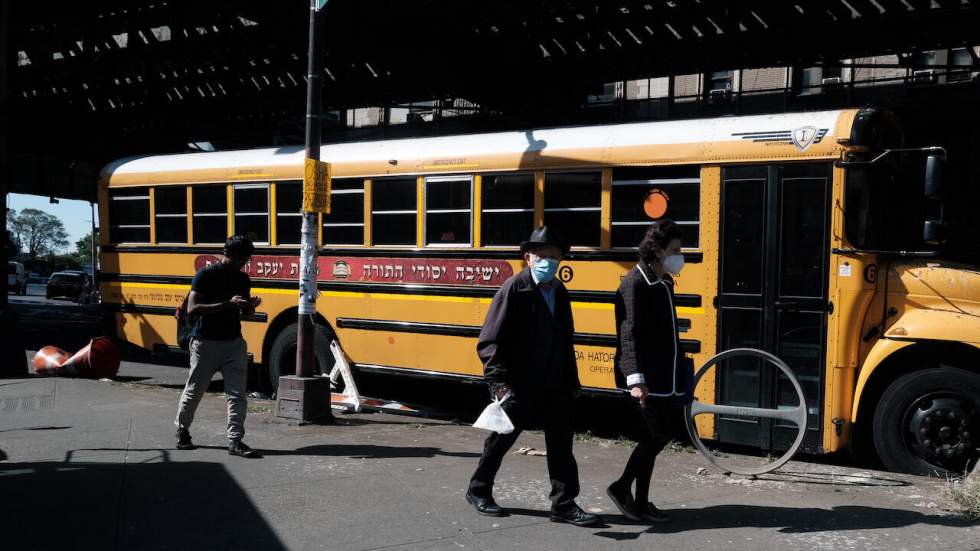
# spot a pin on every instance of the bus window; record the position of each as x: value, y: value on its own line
x: 393, y: 211
x: 572, y: 206
x: 507, y: 216
x: 448, y: 205
x: 252, y: 211
x: 641, y: 195
x: 129, y: 215
x: 210, y: 204
x: 345, y: 223
x: 170, y: 208
x: 289, y: 216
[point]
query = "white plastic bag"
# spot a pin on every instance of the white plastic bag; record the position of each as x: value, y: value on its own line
x: 495, y: 419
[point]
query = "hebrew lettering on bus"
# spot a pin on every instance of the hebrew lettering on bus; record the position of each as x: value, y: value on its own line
x: 380, y: 269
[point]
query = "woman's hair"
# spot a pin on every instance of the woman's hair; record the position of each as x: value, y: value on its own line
x: 657, y: 237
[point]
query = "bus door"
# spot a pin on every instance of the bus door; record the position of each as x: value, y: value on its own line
x: 772, y: 296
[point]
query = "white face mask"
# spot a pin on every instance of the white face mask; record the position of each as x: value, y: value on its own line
x: 674, y: 264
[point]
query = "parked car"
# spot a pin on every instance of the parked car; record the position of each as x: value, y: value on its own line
x: 65, y: 284
x: 16, y: 278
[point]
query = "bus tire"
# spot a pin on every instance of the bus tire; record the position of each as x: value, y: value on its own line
x: 928, y: 422
x: 282, y: 354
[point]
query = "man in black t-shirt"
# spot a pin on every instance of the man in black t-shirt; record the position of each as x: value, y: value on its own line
x: 220, y: 293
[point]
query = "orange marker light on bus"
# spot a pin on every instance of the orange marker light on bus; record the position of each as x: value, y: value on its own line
x: 655, y: 203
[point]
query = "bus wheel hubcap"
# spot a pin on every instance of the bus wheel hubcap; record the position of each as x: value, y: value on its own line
x: 942, y: 427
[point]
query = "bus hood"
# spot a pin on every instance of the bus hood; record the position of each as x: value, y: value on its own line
x: 935, y: 300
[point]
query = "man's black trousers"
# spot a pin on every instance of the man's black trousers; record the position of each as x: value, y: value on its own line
x: 551, y: 412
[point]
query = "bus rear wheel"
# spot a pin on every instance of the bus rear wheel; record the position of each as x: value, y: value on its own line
x: 928, y: 422
x: 282, y: 355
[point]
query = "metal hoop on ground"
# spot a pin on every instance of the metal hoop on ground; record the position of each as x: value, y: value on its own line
x: 796, y: 415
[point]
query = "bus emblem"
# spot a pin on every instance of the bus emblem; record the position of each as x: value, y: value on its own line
x: 341, y: 269
x: 804, y: 137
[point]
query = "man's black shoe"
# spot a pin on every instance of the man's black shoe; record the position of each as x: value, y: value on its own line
x: 184, y: 440
x: 485, y: 505
x: 575, y: 515
x: 623, y: 501
x: 239, y: 448
x: 650, y: 513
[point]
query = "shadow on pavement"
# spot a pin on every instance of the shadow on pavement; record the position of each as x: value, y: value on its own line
x: 833, y: 479
x: 789, y: 520
x: 160, y: 505
x: 128, y: 379
x: 520, y: 511
x: 69, y: 326
x: 36, y: 428
x: 359, y: 451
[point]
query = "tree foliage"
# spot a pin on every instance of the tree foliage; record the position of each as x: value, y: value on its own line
x: 83, y: 248
x: 11, y: 244
x: 38, y: 232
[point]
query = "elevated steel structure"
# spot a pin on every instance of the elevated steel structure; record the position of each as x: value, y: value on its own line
x: 93, y: 82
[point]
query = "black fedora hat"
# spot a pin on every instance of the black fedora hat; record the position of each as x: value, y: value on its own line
x: 544, y: 235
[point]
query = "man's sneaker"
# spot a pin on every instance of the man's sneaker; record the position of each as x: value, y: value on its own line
x: 184, y: 440
x: 650, y: 513
x: 574, y: 515
x: 623, y: 501
x: 239, y: 448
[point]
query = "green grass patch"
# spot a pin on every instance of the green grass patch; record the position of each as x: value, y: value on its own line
x: 589, y: 438
x: 259, y: 408
x: 965, y: 493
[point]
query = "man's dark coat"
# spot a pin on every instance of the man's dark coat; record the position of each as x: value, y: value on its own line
x: 526, y: 347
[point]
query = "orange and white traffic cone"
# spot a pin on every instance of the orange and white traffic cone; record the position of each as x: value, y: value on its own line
x: 47, y: 361
x: 98, y: 359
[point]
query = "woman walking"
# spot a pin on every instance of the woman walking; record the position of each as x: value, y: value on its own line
x: 648, y: 356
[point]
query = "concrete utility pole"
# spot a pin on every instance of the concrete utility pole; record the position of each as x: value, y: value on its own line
x: 302, y: 396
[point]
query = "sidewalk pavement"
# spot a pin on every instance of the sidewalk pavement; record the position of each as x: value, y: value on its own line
x: 91, y: 464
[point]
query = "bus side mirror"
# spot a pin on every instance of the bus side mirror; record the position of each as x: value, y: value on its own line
x: 933, y: 232
x: 935, y: 177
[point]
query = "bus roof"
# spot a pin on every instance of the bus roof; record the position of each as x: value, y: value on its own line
x: 756, y: 137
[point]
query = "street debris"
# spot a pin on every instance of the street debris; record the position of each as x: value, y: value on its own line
x: 527, y: 450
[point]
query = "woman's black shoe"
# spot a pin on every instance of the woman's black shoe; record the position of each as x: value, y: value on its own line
x: 650, y: 513
x: 575, y: 515
x: 624, y: 502
x: 485, y: 505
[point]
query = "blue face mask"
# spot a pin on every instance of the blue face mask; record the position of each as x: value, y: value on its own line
x: 544, y: 269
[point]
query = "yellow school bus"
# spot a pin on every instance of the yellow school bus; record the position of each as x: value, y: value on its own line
x: 789, y: 244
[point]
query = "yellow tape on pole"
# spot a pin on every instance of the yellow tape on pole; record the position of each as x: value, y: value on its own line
x: 316, y: 186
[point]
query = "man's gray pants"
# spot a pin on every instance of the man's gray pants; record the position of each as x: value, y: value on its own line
x: 207, y: 357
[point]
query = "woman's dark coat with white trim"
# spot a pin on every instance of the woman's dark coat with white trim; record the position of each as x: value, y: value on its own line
x: 647, y: 342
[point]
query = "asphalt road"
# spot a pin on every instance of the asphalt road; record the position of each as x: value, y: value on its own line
x: 35, y: 295
x: 91, y: 465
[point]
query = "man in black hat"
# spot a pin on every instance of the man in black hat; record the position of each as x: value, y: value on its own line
x: 527, y: 354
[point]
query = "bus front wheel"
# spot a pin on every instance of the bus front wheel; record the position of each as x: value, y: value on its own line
x: 928, y: 422
x: 282, y: 355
